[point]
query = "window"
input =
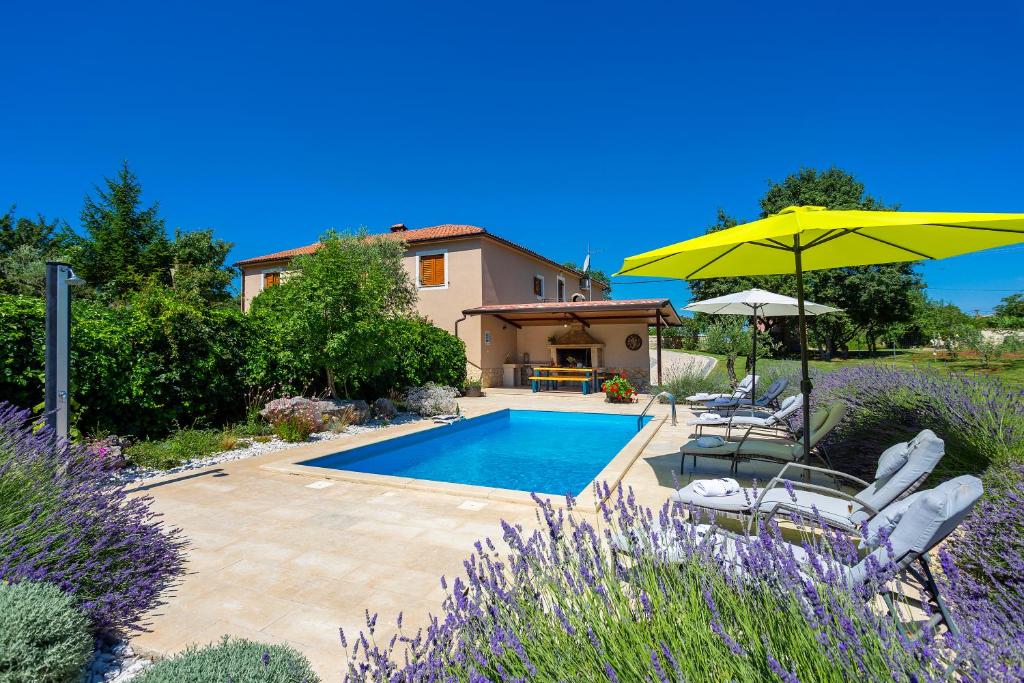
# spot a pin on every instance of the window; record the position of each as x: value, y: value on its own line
x: 561, y: 288
x: 487, y: 338
x: 271, y: 279
x: 538, y: 286
x: 432, y: 269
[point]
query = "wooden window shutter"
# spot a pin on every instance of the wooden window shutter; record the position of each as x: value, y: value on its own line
x: 271, y: 279
x: 432, y: 270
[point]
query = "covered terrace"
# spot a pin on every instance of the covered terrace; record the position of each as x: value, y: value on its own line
x: 603, y: 336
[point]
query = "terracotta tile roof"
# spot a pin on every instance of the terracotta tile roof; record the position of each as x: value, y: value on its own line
x: 280, y: 255
x: 434, y: 233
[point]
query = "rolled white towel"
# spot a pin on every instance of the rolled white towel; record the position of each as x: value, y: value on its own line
x: 710, y: 417
x: 710, y: 441
x: 702, y: 396
x: 714, y: 488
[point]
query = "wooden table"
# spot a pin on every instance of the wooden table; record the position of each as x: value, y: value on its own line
x: 587, y: 377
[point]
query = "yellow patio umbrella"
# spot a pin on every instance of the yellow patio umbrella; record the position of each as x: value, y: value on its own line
x: 801, y: 238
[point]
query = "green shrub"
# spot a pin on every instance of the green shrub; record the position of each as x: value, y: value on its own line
x: 183, y: 445
x: 44, y: 637
x: 689, y: 381
x: 238, y: 660
x: 421, y: 353
x: 294, y: 428
x: 251, y: 428
x: 163, y: 359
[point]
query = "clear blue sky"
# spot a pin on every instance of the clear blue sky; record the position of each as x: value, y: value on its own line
x: 553, y: 124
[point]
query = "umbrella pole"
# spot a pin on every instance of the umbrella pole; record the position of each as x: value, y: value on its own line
x: 805, y: 380
x: 753, y: 371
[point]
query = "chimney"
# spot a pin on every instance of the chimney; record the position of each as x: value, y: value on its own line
x: 398, y: 227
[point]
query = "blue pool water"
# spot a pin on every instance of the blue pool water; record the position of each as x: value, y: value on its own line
x: 527, y: 450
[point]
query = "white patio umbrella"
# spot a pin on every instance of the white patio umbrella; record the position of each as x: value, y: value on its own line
x: 756, y: 302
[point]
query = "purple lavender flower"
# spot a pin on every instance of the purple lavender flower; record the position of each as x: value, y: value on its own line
x: 72, y: 527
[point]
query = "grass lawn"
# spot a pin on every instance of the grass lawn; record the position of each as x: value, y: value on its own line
x: 1009, y: 368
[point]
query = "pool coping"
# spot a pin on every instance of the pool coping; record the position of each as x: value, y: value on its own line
x: 612, y: 473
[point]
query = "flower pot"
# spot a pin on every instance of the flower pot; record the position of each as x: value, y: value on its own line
x: 474, y: 392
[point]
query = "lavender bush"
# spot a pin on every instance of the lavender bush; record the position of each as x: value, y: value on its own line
x: 983, y: 576
x: 62, y: 523
x: 559, y: 606
x: 980, y: 418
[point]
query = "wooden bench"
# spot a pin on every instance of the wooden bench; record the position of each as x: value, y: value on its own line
x: 535, y: 381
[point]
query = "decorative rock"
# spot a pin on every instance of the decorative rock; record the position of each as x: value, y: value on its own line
x: 433, y: 399
x: 353, y: 412
x: 384, y: 409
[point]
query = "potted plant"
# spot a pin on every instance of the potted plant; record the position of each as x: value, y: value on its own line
x: 617, y: 389
x: 473, y: 388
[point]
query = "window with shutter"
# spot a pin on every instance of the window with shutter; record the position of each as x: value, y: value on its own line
x: 271, y: 279
x: 432, y: 270
x: 538, y: 286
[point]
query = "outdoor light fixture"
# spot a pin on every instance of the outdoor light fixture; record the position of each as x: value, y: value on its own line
x: 58, y: 344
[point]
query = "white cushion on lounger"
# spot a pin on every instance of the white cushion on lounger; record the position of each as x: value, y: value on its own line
x: 831, y: 509
x: 928, y: 518
x: 923, y: 452
x: 891, y: 460
x: 736, y: 502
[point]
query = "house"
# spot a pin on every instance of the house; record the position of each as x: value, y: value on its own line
x: 513, y: 308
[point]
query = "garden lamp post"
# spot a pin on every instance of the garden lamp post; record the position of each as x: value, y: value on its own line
x: 58, y: 344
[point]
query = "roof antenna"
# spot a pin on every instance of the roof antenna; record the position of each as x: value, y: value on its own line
x: 585, y: 282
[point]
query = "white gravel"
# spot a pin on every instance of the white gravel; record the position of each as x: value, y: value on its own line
x: 114, y: 663
x: 134, y: 474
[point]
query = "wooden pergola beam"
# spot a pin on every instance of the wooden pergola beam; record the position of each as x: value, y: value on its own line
x: 510, y: 322
x: 579, y: 320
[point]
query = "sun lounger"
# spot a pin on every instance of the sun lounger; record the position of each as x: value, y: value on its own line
x: 756, y: 419
x: 823, y: 420
x: 742, y: 390
x: 915, y: 526
x: 901, y: 469
x: 766, y: 400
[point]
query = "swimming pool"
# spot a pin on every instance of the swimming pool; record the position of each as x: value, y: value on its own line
x: 526, y: 450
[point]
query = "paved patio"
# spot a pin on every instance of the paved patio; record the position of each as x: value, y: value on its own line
x: 284, y: 558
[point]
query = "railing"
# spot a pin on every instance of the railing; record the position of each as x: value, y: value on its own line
x: 672, y: 400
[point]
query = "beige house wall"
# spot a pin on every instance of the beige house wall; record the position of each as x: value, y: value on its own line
x: 508, y: 277
x: 252, y: 279
x: 443, y: 305
x: 534, y: 340
x: 637, y: 364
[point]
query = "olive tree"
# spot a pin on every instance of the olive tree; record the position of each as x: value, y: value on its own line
x: 333, y: 311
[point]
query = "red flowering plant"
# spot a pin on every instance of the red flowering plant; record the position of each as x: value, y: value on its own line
x: 617, y: 389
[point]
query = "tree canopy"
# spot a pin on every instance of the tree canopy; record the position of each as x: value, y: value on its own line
x: 872, y: 297
x: 125, y: 244
x: 25, y: 246
x: 331, y: 314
